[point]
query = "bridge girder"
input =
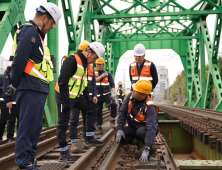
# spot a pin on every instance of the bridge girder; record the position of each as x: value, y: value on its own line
x: 158, y: 24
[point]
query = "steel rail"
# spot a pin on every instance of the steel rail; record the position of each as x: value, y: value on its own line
x: 207, y: 123
x: 196, y: 113
x: 8, y: 148
x: 90, y: 157
x: 167, y: 155
x: 5, y: 141
x: 43, y: 147
x: 112, y: 162
x: 205, y: 111
x: 109, y: 158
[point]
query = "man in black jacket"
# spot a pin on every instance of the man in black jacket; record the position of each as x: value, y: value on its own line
x: 72, y: 82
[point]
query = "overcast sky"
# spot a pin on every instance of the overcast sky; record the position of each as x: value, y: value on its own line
x: 160, y: 57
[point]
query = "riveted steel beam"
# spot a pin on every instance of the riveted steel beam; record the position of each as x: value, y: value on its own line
x: 70, y: 25
x: 156, y: 14
x: 196, y: 88
x: 11, y: 13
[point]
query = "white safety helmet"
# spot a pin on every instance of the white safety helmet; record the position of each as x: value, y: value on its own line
x: 98, y: 48
x: 54, y: 11
x: 139, y: 50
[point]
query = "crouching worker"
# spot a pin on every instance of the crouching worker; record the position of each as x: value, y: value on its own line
x: 140, y: 112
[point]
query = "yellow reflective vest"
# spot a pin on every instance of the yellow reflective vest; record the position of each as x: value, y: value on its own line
x: 43, y: 70
x: 78, y: 82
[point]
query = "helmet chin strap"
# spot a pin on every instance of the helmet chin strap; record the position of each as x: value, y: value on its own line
x: 44, y: 24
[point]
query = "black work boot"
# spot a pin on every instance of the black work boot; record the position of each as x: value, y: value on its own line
x: 66, y: 157
x: 93, y: 142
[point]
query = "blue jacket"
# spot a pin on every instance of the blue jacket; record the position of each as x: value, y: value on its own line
x: 6, y: 83
x: 1, y: 84
x: 27, y: 48
x: 151, y: 123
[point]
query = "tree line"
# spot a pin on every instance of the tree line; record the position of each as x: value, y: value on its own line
x: 178, y: 88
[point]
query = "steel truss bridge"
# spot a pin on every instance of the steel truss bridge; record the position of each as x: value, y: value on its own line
x: 149, y: 22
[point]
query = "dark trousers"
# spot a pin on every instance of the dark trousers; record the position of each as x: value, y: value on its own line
x: 63, y: 117
x: 101, y: 100
x: 30, y: 105
x: 132, y: 132
x: 74, y: 120
x: 10, y: 118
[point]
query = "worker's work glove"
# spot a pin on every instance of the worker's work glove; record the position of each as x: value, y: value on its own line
x: 105, y: 74
x: 113, y: 96
x: 144, y: 156
x: 119, y: 135
x: 65, y: 107
x: 10, y: 90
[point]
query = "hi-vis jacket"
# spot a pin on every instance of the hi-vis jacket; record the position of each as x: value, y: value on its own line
x: 145, y: 73
x: 103, y: 85
x: 78, y: 82
x: 43, y: 70
x: 140, y: 117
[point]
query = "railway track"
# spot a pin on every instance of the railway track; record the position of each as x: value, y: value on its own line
x: 111, y: 156
x: 125, y: 157
x: 206, y: 125
x: 47, y: 143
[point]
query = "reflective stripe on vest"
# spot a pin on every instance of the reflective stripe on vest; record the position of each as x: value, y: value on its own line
x: 140, y: 117
x: 103, y: 94
x: 102, y: 84
x: 78, y: 82
x: 43, y: 70
x: 145, y: 72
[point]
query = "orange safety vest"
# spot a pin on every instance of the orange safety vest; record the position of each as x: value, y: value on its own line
x: 90, y: 72
x: 103, y: 85
x: 145, y: 72
x: 140, y: 117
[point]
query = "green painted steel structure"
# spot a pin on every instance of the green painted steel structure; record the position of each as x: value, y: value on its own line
x: 158, y: 24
